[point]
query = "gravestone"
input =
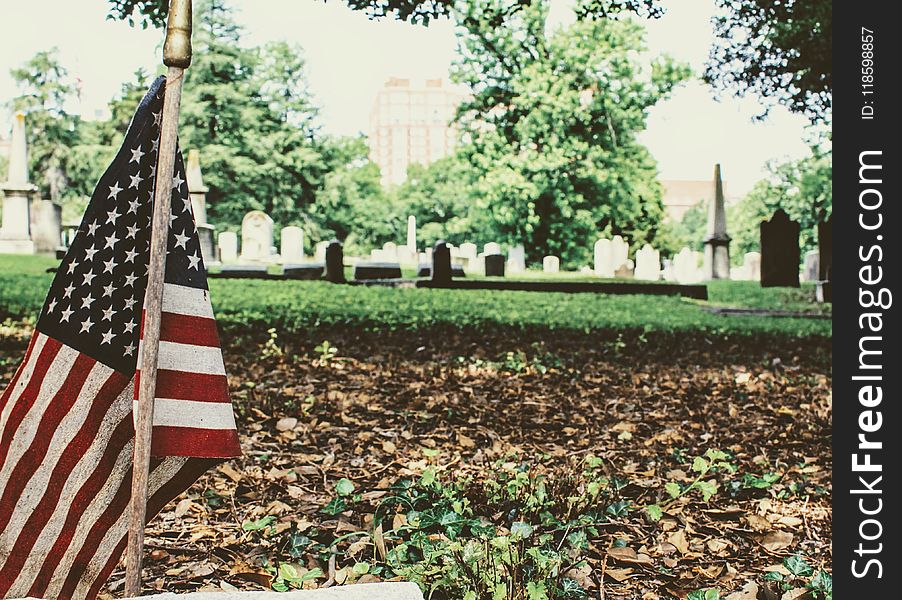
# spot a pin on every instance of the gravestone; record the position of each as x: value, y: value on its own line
x: 228, y: 246
x: 242, y: 272
x: 390, y: 252
x: 441, y: 263
x: 46, y: 225
x: 620, y: 251
x: 256, y: 237
x: 779, y: 251
x: 424, y: 269
x: 516, y: 259
x: 648, y: 263
x: 603, y: 255
x: 494, y: 265
x: 491, y: 248
x: 811, y: 265
x: 309, y: 271
x: 15, y: 229
x: 751, y: 262
x: 335, y: 262
x: 319, y: 251
x: 551, y: 264
x: 825, y: 264
x: 412, y: 233
x: 377, y: 270
x: 197, y: 191
x: 717, y: 242
x: 685, y: 266
x: 291, y: 247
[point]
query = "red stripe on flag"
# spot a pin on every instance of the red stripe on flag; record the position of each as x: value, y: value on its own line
x: 180, y: 385
x: 180, y: 482
x: 32, y: 458
x: 29, y: 395
x: 123, y: 433
x: 69, y: 458
x: 191, y: 441
x: 12, y: 384
x: 103, y: 524
x: 186, y: 329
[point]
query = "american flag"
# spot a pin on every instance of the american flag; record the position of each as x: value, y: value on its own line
x: 66, y: 424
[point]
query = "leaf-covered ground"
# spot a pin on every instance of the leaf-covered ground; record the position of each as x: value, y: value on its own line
x: 328, y: 432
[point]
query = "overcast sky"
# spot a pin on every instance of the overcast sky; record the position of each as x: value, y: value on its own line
x: 349, y: 57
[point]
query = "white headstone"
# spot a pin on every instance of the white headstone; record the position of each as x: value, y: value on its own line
x: 686, y: 266
x: 648, y: 263
x: 292, y: 244
x: 319, y: 251
x: 46, y: 225
x: 412, y: 233
x: 228, y: 246
x: 256, y: 237
x: 469, y: 251
x: 516, y: 259
x: 620, y: 250
x: 752, y: 263
x: 812, y: 265
x: 603, y: 252
x: 390, y: 251
x: 551, y: 264
x: 491, y: 248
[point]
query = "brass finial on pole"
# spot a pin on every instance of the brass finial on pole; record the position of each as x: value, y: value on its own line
x: 176, y: 56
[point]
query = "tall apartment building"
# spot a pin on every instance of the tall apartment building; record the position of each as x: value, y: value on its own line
x: 410, y: 123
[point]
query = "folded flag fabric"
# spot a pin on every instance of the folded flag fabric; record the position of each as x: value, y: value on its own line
x: 66, y: 422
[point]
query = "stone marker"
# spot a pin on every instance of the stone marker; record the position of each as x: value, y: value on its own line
x: 780, y: 251
x: 335, y: 262
x: 291, y: 247
x: 551, y: 264
x: 491, y: 248
x: 620, y: 251
x: 396, y: 590
x: 751, y: 262
x: 228, y: 246
x: 648, y: 263
x: 811, y: 265
x: 424, y: 269
x: 319, y: 251
x: 685, y: 266
x: 717, y: 242
x: 377, y: 270
x: 242, y: 272
x: 198, y: 193
x: 494, y: 265
x: 412, y: 233
x: 603, y: 255
x: 516, y: 259
x: 15, y: 229
x: 46, y: 225
x: 256, y: 237
x: 469, y: 251
x: 825, y: 264
x: 441, y: 263
x: 310, y: 271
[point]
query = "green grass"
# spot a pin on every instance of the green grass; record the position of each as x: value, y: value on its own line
x: 304, y: 304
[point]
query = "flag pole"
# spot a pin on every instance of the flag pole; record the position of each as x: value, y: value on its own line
x: 176, y: 56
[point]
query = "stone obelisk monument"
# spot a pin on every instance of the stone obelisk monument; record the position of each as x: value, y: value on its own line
x: 717, y: 242
x: 15, y: 232
x: 198, y: 192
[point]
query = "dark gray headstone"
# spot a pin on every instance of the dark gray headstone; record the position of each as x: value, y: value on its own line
x: 425, y: 270
x: 441, y: 263
x: 335, y: 262
x: 780, y: 251
x: 310, y: 271
x: 494, y: 265
x: 825, y: 268
x: 377, y: 270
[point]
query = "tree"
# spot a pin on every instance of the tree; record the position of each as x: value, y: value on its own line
x: 803, y: 188
x: 778, y: 50
x: 553, y: 122
x: 46, y: 88
x: 251, y: 121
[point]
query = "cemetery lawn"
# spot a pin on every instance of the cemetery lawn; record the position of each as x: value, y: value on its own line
x: 567, y: 446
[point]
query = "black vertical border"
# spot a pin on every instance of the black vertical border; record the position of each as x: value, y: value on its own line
x: 853, y: 135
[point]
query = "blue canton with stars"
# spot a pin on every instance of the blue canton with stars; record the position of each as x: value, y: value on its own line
x: 97, y: 295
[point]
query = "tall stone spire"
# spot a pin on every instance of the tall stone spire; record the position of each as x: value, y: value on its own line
x: 15, y: 232
x: 717, y: 241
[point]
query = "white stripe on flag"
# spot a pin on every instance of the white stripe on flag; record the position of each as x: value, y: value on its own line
x: 189, y: 413
x: 24, y: 378
x: 188, y: 358
x: 184, y: 300
x: 120, y: 409
x: 28, y: 428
